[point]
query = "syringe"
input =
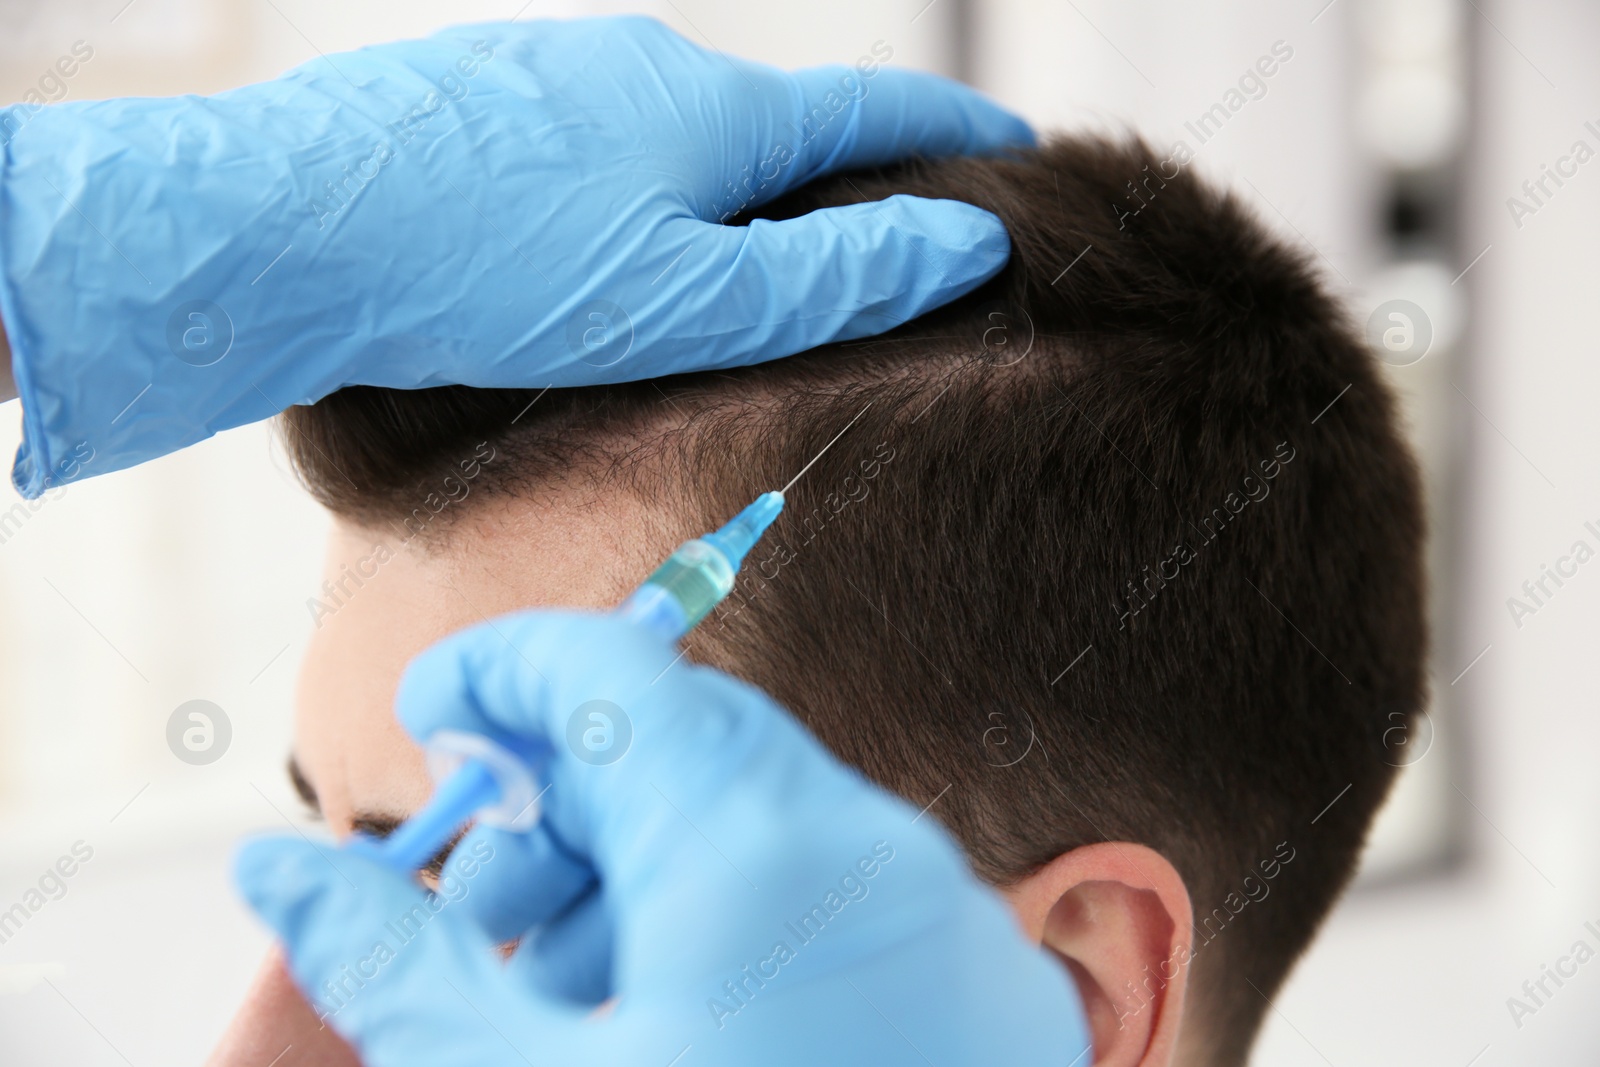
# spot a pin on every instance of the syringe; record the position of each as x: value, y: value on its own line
x: 483, y: 780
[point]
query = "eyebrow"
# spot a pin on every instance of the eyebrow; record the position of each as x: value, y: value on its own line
x: 371, y: 824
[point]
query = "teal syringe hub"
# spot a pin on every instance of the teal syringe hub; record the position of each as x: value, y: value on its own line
x: 742, y: 532
x: 699, y: 575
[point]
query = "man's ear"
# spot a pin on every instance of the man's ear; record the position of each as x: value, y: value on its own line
x: 1119, y: 916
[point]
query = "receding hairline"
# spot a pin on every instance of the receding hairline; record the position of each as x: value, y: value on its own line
x: 653, y: 449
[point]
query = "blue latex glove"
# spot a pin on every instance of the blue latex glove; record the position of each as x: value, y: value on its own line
x: 757, y: 901
x: 507, y: 205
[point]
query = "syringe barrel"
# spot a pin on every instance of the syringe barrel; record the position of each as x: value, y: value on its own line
x: 682, y: 591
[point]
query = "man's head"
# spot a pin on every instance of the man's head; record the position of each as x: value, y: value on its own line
x: 1117, y: 567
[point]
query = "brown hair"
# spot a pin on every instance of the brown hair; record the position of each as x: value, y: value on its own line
x: 1098, y: 560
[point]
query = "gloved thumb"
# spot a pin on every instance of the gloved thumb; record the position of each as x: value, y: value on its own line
x: 388, y: 965
x: 834, y: 274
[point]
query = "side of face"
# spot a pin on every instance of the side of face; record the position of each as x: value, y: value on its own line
x: 381, y: 600
x: 388, y: 600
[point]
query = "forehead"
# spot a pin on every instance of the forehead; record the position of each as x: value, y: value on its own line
x: 381, y: 599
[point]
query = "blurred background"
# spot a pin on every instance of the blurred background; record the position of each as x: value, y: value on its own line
x: 1427, y: 151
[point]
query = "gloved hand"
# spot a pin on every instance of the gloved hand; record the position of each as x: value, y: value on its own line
x: 506, y: 205
x: 740, y: 892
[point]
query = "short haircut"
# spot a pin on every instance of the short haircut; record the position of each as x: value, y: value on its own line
x: 1125, y: 545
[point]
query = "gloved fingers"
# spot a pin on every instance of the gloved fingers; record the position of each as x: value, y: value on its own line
x: 689, y: 747
x: 843, y: 118
x: 835, y: 274
x: 570, y: 958
x: 518, y: 880
x: 710, y: 817
x: 393, y: 969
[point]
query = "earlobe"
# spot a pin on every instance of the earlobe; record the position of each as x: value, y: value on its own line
x: 1118, y: 915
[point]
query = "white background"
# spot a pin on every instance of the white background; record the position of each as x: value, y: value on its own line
x: 187, y: 578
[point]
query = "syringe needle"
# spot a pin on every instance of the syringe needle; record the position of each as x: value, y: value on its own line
x: 825, y: 447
